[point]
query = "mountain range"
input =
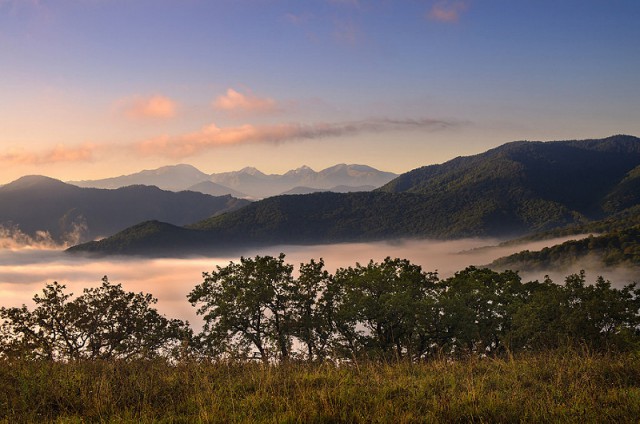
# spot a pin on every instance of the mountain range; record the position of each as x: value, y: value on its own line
x: 71, y: 214
x: 515, y: 189
x: 250, y: 182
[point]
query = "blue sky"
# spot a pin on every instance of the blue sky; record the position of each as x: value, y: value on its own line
x: 97, y: 88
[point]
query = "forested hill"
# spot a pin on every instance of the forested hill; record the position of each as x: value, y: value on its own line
x: 591, y: 177
x: 34, y: 204
x: 517, y: 188
x: 612, y: 249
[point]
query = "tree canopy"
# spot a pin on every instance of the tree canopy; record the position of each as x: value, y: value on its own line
x: 105, y: 322
x: 262, y: 308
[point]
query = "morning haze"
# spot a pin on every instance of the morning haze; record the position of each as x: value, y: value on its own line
x: 439, y: 197
x: 24, y: 270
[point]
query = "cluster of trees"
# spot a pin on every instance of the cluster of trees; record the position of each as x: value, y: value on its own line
x: 392, y: 310
x: 105, y: 322
x: 395, y: 310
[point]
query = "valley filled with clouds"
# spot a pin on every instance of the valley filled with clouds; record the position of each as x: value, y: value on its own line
x: 25, y: 269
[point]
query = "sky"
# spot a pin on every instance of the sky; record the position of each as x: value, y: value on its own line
x: 98, y: 88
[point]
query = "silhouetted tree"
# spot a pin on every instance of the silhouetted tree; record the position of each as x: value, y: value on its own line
x: 103, y: 323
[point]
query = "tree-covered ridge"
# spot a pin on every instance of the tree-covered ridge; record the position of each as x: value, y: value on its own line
x: 626, y: 194
x: 329, y: 217
x: 72, y: 214
x: 560, y: 172
x: 518, y: 187
x: 620, y: 247
x: 153, y: 238
x: 393, y: 310
x: 509, y: 191
x: 619, y: 221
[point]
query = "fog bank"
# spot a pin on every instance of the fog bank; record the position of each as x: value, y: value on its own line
x: 24, y: 272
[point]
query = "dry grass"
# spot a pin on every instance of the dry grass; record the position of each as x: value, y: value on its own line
x: 549, y: 387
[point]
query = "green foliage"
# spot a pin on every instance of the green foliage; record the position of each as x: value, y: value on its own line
x: 477, y: 306
x: 384, y: 310
x: 388, y: 311
x: 615, y: 248
x: 247, y: 305
x: 597, y: 316
x: 394, y: 311
x: 103, y: 323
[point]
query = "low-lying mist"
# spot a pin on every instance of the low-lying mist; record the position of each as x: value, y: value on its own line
x: 24, y: 271
x: 13, y: 238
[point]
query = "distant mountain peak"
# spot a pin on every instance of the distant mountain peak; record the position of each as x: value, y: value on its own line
x: 180, y: 167
x: 336, y: 166
x: 248, y: 182
x: 352, y: 170
x: 250, y: 170
x: 171, y: 177
x: 32, y: 181
x: 303, y: 170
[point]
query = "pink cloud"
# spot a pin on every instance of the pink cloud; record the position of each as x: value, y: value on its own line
x: 149, y: 107
x: 213, y: 136
x: 234, y: 101
x: 447, y: 11
x: 58, y: 154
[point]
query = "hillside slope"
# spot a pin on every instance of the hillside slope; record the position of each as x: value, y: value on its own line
x: 590, y: 177
x: 69, y: 213
x: 612, y: 249
x: 515, y: 189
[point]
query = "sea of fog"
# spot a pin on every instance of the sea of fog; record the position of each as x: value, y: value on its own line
x: 25, y: 270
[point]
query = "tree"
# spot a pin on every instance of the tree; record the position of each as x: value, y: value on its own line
x: 384, y: 309
x: 119, y: 324
x: 103, y: 323
x: 310, y: 312
x: 597, y: 315
x: 246, y: 305
x: 47, y: 332
x: 477, y: 305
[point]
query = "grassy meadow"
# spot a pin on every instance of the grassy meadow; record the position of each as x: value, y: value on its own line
x: 560, y: 386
